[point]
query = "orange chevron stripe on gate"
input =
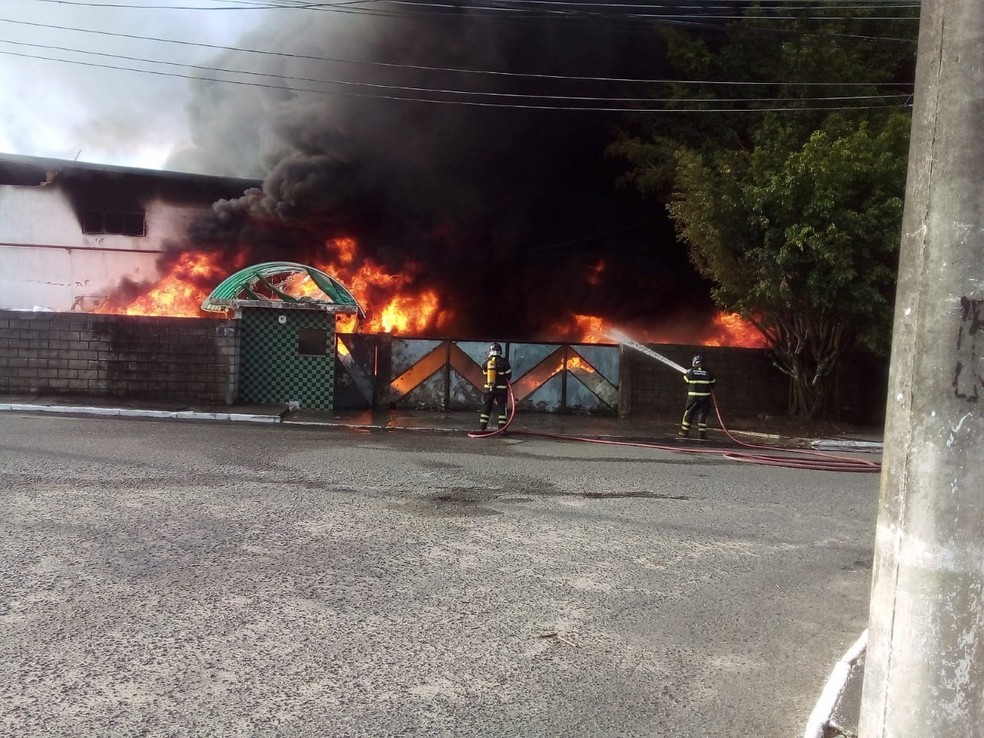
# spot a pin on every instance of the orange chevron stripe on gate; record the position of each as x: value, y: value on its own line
x: 422, y: 370
x: 434, y: 361
x: 466, y: 367
x: 549, y: 366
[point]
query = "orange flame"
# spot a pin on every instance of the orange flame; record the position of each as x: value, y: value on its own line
x: 725, y: 329
x: 395, y: 306
x: 179, y: 293
x: 730, y: 329
x: 392, y: 306
x: 594, y: 278
x: 576, y: 362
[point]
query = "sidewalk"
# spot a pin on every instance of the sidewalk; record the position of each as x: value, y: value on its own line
x: 656, y: 430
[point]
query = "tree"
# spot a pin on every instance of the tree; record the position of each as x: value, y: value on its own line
x: 804, y: 244
x: 791, y: 208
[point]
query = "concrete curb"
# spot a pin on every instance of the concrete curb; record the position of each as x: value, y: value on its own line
x: 219, y: 416
x: 132, y: 413
x: 819, y: 722
x: 827, y: 444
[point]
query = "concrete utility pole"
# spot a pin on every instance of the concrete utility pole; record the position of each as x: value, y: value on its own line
x: 924, y: 669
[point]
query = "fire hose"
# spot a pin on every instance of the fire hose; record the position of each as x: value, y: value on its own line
x: 512, y: 414
x: 760, y: 454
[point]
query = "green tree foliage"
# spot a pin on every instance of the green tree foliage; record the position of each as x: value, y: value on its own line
x: 803, y: 243
x: 790, y: 205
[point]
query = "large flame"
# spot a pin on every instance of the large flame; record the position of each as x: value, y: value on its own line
x: 396, y: 304
x: 725, y: 329
x: 392, y: 304
x: 179, y: 293
x: 730, y: 329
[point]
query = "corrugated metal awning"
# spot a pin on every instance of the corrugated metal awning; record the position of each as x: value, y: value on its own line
x: 283, y: 284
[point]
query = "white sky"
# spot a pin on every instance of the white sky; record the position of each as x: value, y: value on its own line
x: 68, y: 110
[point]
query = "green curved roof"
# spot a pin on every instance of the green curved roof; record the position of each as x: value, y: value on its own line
x: 261, y: 283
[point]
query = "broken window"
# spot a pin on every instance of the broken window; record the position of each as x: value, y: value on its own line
x: 113, y: 222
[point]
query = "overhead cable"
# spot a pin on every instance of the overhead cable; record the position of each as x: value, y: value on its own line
x: 437, y: 91
x: 426, y: 68
x: 478, y: 103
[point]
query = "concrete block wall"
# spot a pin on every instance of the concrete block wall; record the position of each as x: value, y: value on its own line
x: 198, y: 360
x: 748, y: 384
x: 164, y: 359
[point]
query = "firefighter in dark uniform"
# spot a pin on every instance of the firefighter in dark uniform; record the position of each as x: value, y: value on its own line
x: 497, y: 375
x: 700, y: 382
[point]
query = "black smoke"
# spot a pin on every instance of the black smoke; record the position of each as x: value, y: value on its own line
x: 505, y: 211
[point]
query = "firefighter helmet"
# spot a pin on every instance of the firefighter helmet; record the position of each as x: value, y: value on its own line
x: 495, y: 350
x: 698, y: 360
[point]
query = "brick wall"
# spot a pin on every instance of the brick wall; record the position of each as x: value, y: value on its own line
x: 747, y: 383
x: 165, y: 359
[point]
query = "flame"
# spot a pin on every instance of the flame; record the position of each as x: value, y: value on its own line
x: 593, y: 329
x: 725, y: 329
x: 730, y: 329
x: 395, y: 305
x: 392, y: 306
x: 179, y: 293
x: 594, y: 278
x: 576, y: 362
x: 300, y: 285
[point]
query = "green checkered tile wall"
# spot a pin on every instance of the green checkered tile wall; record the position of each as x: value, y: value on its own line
x: 274, y: 371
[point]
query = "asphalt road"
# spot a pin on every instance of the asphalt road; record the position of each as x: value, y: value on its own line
x: 197, y: 579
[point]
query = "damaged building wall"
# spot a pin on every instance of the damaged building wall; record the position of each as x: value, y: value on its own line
x: 71, y: 233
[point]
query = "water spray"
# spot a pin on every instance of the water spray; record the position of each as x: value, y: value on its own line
x: 624, y: 340
x: 763, y: 455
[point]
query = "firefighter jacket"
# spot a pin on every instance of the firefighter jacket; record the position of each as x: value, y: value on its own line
x: 497, y: 372
x: 699, y: 381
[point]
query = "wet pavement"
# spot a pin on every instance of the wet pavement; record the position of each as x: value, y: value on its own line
x: 837, y: 709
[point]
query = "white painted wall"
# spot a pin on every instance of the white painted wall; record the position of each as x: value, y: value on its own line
x: 46, y: 260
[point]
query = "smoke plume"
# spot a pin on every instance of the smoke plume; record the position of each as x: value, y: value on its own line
x: 510, y: 213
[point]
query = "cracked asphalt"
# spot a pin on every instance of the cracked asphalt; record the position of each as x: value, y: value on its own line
x: 208, y: 579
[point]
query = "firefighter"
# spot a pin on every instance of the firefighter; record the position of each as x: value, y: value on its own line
x: 700, y: 383
x: 497, y: 374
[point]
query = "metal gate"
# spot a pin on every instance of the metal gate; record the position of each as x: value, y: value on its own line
x: 434, y: 374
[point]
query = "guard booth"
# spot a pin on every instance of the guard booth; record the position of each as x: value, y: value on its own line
x: 287, y: 331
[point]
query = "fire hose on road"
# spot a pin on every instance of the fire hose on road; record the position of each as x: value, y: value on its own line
x: 512, y: 414
x: 759, y: 454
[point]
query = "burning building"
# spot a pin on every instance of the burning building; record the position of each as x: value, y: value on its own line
x: 86, y: 238
x: 447, y: 165
x: 73, y: 235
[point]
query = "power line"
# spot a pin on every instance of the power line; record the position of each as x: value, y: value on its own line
x: 553, y: 7
x: 502, y: 12
x: 620, y: 23
x: 414, y: 67
x: 785, y: 5
x: 576, y: 8
x: 479, y: 103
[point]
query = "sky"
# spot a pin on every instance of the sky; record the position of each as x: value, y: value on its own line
x: 110, y: 81
x: 75, y: 109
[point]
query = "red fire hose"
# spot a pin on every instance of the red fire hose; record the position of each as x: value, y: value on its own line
x: 764, y: 455
x: 497, y: 431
